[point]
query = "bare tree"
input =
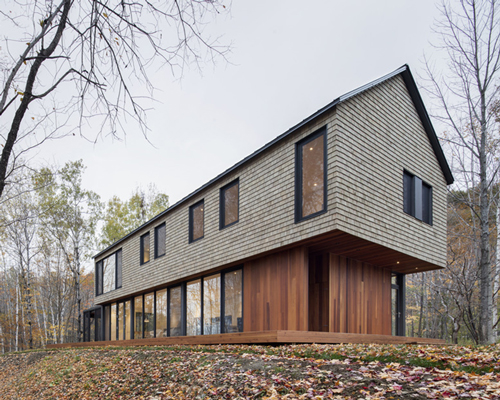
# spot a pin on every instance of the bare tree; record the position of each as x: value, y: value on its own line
x: 82, y: 66
x: 470, y: 33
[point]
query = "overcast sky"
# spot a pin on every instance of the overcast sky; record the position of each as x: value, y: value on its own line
x: 288, y: 59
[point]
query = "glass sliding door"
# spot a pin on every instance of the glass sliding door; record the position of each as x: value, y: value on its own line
x: 138, y: 317
x: 161, y: 313
x: 193, y: 308
x: 233, y: 301
x: 175, y: 308
x: 149, y: 315
x: 211, y: 305
x: 128, y: 319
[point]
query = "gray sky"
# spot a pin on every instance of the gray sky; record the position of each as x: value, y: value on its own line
x: 288, y: 60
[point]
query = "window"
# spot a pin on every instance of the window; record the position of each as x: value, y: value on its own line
x: 113, y: 321
x: 138, y: 317
x: 417, y: 198
x: 310, y: 176
x: 193, y: 308
x: 196, y: 221
x: 108, y: 273
x: 145, y: 248
x: 121, y: 320
x: 229, y: 204
x: 160, y: 239
x: 161, y: 313
x: 175, y: 311
x: 233, y: 301
x: 128, y: 319
x: 211, y: 305
x: 149, y: 315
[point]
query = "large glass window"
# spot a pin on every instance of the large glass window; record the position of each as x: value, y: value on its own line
x: 196, y: 221
x: 149, y: 315
x: 311, y: 176
x: 211, y: 305
x: 113, y: 321
x: 193, y: 308
x: 128, y: 319
x: 233, y: 301
x: 175, y: 311
x: 145, y: 248
x: 229, y: 204
x: 160, y: 240
x: 161, y: 313
x: 121, y: 320
x: 138, y: 317
x: 108, y: 273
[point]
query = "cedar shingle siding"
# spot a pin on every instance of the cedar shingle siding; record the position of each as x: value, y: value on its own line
x: 371, y: 138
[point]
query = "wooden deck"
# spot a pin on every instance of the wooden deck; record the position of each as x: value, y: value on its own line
x: 262, y: 337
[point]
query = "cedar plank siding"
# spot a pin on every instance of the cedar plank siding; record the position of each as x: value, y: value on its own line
x: 378, y: 130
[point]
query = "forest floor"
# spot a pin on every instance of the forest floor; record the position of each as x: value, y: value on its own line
x: 254, y: 372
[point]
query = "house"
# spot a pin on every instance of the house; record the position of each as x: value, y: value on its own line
x: 308, y: 239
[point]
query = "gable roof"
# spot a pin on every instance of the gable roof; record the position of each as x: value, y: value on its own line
x: 405, y: 73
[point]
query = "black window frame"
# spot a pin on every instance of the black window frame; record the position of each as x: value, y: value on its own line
x: 142, y: 248
x: 182, y: 286
x: 222, y: 204
x: 99, y: 273
x: 191, y: 208
x: 157, y: 228
x: 414, y: 203
x: 298, y: 174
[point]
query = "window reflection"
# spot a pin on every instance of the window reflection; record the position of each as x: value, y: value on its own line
x: 108, y: 272
x: 197, y: 222
x: 211, y: 305
x: 175, y: 311
x: 161, y: 313
x: 121, y: 312
x: 149, y: 315
x: 128, y: 316
x: 233, y: 315
x: 230, y: 204
x: 113, y: 321
x: 138, y: 317
x: 193, y: 308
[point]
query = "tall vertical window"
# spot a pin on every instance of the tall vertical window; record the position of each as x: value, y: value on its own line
x: 160, y: 240
x: 417, y: 198
x: 229, y: 204
x: 310, y: 176
x: 149, y: 315
x: 128, y: 319
x: 145, y: 248
x: 107, y: 322
x: 121, y: 320
x: 113, y: 321
x: 138, y: 317
x: 211, y: 305
x: 175, y: 311
x: 108, y: 273
x: 196, y: 221
x: 193, y: 308
x: 233, y: 301
x: 161, y: 313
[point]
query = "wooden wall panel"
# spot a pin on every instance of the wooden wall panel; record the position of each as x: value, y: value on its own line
x: 360, y: 297
x: 319, y: 292
x: 276, y: 292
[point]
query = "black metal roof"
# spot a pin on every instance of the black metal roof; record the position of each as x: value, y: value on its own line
x: 417, y: 101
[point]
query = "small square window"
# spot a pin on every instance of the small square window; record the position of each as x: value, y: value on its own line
x: 417, y: 198
x: 160, y: 240
x: 310, y: 176
x: 196, y: 221
x: 145, y: 248
x: 229, y: 204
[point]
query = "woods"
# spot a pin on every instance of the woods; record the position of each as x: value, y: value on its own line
x: 49, y: 231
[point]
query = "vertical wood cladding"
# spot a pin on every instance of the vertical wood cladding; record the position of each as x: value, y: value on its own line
x: 360, y: 296
x: 276, y: 292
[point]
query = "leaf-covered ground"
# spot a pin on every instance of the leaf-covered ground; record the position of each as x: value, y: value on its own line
x: 254, y: 372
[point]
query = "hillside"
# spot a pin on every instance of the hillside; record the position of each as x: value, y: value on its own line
x: 254, y: 372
